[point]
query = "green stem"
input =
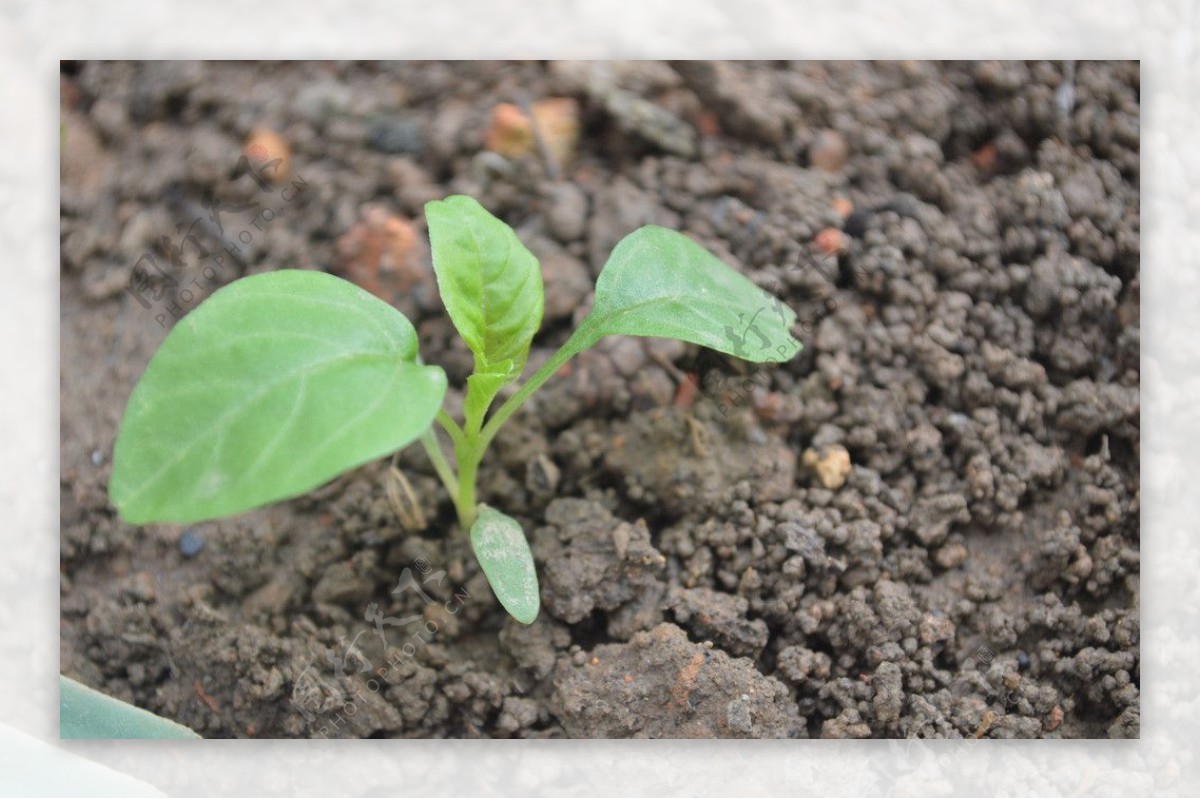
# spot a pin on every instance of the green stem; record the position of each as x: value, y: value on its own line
x: 450, y: 426
x: 579, y: 341
x: 434, y: 450
x: 468, y: 457
x: 471, y: 440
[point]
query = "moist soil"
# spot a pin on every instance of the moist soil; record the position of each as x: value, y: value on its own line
x: 926, y: 525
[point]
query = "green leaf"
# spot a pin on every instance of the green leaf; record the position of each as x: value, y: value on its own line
x: 482, y: 388
x: 491, y: 285
x: 503, y: 552
x: 85, y: 713
x: 661, y: 283
x: 274, y: 385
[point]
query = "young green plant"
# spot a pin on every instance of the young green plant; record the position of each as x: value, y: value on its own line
x: 281, y: 381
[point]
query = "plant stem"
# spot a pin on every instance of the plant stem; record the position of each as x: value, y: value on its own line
x: 579, y: 341
x: 434, y: 450
x: 471, y: 441
x: 468, y: 455
x: 450, y: 426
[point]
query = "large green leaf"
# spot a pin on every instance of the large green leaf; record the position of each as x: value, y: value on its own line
x: 490, y: 283
x: 503, y: 552
x: 661, y: 283
x: 275, y: 384
x: 87, y: 713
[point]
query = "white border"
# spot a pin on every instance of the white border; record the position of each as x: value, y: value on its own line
x: 34, y: 35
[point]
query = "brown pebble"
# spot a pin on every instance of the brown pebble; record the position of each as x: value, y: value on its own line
x: 985, y: 158
x: 828, y: 151
x: 558, y: 121
x: 269, y: 154
x: 511, y: 133
x: 831, y: 465
x: 382, y: 254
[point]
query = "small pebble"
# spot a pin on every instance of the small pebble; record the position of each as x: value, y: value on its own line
x: 856, y: 224
x: 567, y: 283
x: 831, y: 241
x: 397, y: 136
x: 558, y: 120
x: 511, y: 133
x: 566, y: 213
x: 649, y: 120
x: 541, y: 475
x: 828, y: 151
x: 831, y: 465
x: 628, y: 355
x: 985, y: 158
x: 269, y: 154
x: 382, y: 253
x: 190, y: 543
x: 318, y: 101
x: 97, y: 457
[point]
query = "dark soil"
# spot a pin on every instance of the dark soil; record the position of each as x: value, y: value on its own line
x: 925, y: 525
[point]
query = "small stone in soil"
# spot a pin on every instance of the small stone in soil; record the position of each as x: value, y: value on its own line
x: 828, y: 151
x: 856, y: 224
x: 397, y: 136
x: 269, y: 154
x: 566, y: 212
x: 831, y: 465
x: 190, y: 543
x: 541, y: 476
x: 512, y: 133
x: 831, y: 241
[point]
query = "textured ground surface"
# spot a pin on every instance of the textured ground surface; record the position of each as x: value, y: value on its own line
x: 926, y: 525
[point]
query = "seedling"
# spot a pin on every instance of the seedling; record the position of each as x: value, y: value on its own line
x: 281, y: 381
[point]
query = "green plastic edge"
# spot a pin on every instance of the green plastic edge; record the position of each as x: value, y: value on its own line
x: 84, y: 713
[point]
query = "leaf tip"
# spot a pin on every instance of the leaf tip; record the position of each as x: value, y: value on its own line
x: 526, y: 617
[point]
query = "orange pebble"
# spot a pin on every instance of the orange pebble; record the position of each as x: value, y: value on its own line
x: 831, y: 241
x: 269, y: 154
x: 511, y: 132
